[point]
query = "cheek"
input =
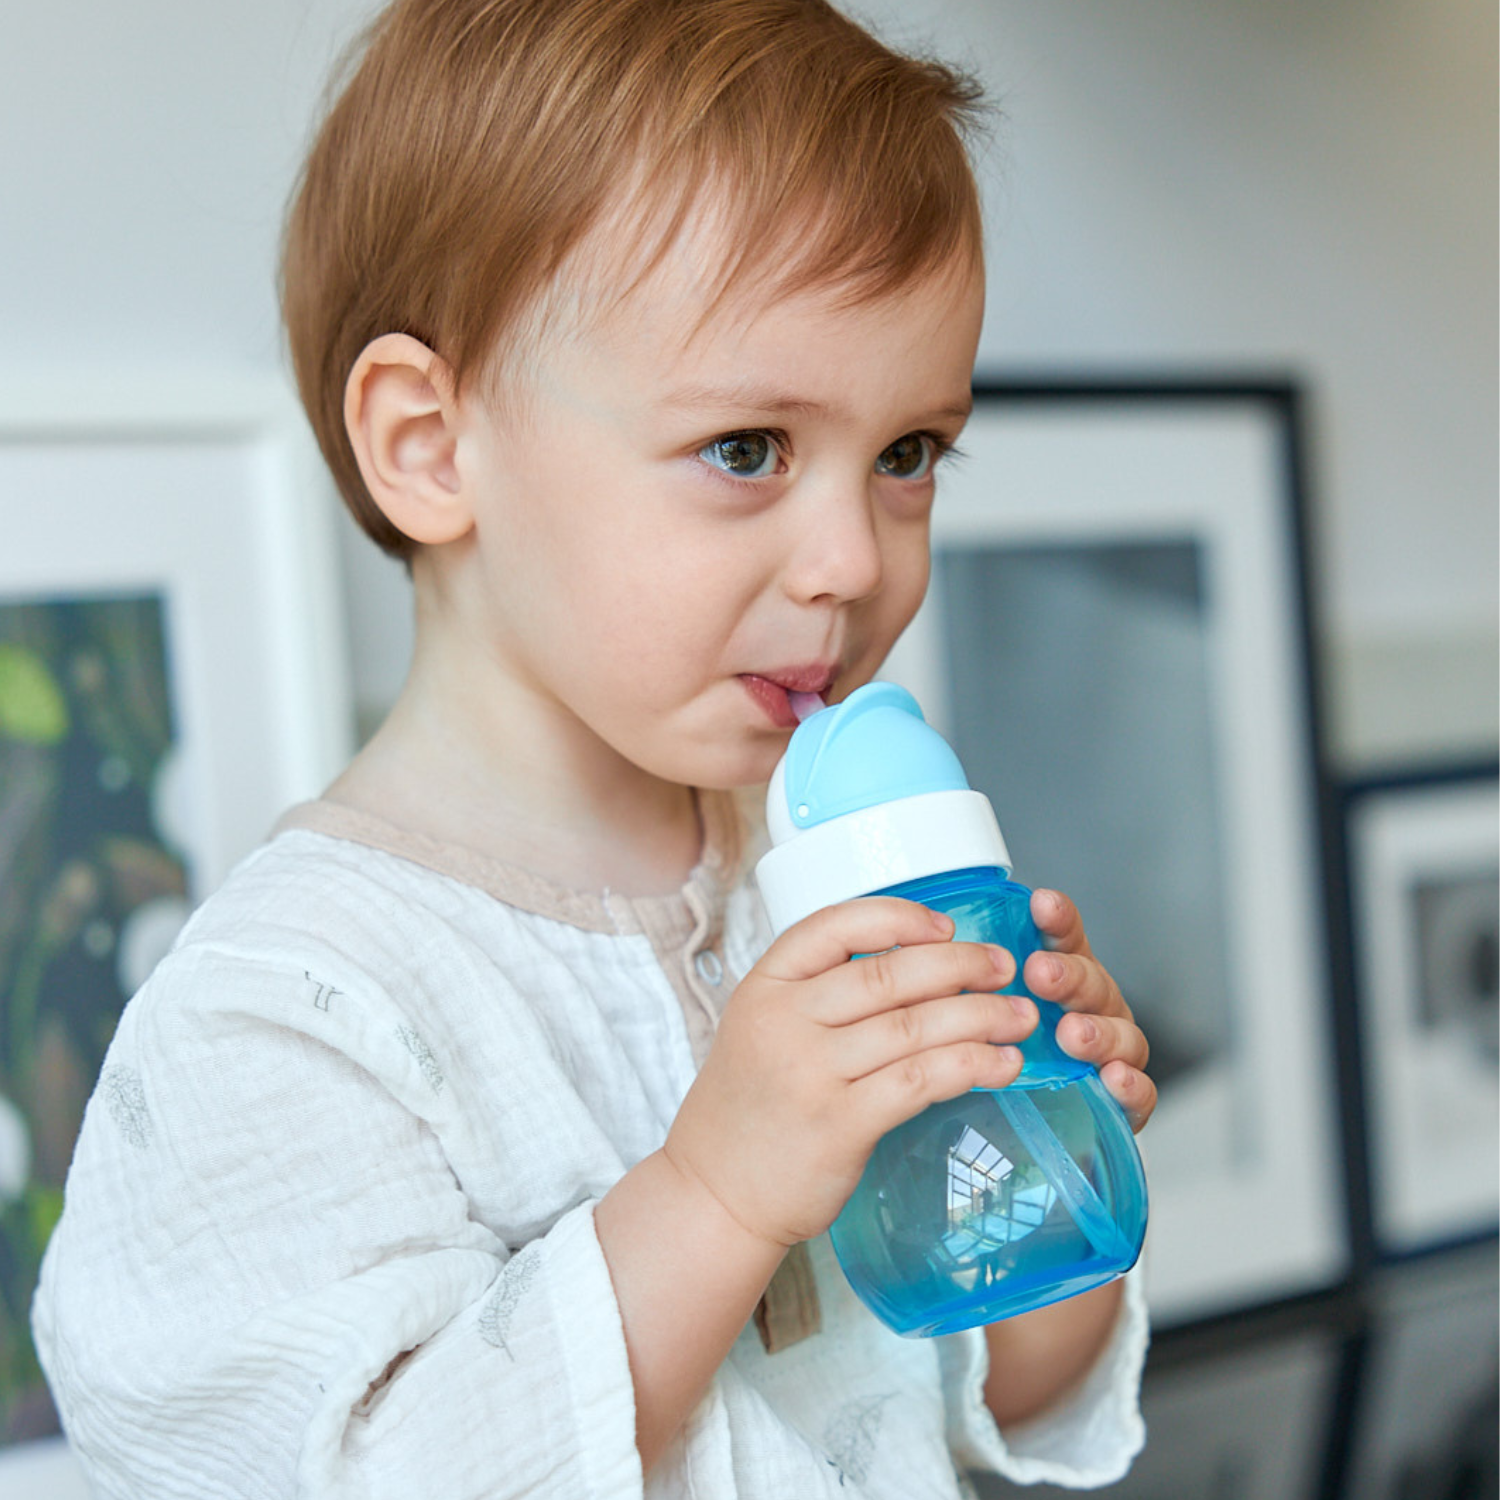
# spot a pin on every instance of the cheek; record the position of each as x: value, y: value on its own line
x: 653, y: 616
x: 683, y: 583
x: 917, y: 572
x: 678, y: 624
x: 908, y: 567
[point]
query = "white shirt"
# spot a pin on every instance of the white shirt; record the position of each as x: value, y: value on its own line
x: 329, y: 1226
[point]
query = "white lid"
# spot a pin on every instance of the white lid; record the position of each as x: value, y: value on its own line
x: 875, y: 848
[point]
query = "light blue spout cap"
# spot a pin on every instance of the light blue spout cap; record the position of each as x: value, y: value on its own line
x: 873, y: 747
x: 869, y: 797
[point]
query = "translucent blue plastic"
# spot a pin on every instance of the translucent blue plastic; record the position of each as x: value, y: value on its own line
x: 1001, y: 1200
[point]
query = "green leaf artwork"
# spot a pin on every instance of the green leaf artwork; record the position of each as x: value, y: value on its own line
x: 85, y: 749
x: 32, y: 706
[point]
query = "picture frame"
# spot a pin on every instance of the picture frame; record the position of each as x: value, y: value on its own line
x: 111, y: 476
x: 1422, y: 862
x: 1116, y: 642
x: 173, y: 676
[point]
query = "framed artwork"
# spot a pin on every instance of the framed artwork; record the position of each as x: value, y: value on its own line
x: 1116, y: 644
x: 172, y: 676
x: 1423, y: 868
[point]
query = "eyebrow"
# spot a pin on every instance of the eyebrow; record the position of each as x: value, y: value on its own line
x: 765, y: 398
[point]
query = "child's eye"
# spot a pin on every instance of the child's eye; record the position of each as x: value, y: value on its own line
x: 909, y: 457
x: 745, y: 455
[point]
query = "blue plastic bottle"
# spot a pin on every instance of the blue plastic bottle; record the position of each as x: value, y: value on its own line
x: 1001, y: 1200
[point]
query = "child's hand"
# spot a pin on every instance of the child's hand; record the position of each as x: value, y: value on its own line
x: 816, y: 1058
x: 1100, y: 1028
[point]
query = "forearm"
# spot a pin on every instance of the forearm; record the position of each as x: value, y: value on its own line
x: 1038, y: 1357
x: 687, y: 1278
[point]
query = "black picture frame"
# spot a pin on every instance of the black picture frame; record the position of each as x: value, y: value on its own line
x: 1161, y: 526
x: 1419, y: 852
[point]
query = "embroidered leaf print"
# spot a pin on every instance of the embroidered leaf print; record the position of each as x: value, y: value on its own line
x: 853, y: 1432
x: 512, y: 1285
x: 425, y: 1060
x: 125, y: 1098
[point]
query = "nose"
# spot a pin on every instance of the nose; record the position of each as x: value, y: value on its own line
x: 837, y: 553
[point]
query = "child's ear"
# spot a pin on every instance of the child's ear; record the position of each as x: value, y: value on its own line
x: 400, y: 410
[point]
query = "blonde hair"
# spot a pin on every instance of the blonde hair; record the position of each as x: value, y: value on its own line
x: 478, y: 142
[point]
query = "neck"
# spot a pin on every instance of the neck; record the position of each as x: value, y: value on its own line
x: 498, y: 770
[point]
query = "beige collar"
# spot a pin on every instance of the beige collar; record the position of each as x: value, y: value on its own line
x: 718, y: 870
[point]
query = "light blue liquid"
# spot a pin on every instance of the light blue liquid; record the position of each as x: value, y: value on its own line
x: 1002, y: 1200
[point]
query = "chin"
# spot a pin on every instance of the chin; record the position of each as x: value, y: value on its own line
x: 742, y: 766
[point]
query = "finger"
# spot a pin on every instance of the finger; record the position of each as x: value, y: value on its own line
x: 1058, y: 920
x: 1103, y: 1039
x: 1075, y: 981
x: 903, y: 976
x: 1132, y: 1090
x: 880, y: 1040
x: 895, y: 1093
x: 836, y: 934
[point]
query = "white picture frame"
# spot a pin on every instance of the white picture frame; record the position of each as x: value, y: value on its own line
x: 204, y: 492
x: 210, y: 491
x: 1195, y: 488
x: 1423, y: 855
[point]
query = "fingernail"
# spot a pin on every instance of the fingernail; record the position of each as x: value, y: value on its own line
x: 1088, y: 1033
x: 1052, y: 968
x: 1021, y: 1005
x: 1001, y: 959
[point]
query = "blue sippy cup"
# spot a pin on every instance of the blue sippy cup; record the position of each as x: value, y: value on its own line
x: 1001, y: 1200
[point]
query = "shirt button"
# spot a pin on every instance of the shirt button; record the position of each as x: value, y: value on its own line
x: 710, y: 969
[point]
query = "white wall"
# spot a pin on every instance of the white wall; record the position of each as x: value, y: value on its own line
x: 1200, y: 185
x: 1178, y: 185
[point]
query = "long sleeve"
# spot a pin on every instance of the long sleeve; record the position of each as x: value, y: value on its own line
x: 269, y: 1280
x: 1085, y: 1441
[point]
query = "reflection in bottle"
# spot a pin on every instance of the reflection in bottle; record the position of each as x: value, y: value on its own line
x: 990, y: 1203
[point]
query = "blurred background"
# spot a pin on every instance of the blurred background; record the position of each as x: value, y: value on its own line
x: 1304, y: 187
x: 1296, y: 191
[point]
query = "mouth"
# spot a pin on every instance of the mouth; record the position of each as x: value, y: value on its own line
x: 772, y: 690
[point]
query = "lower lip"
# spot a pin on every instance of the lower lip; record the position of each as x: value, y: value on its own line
x: 772, y: 699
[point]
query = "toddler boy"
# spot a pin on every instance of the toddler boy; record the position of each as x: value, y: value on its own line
x: 480, y: 1143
